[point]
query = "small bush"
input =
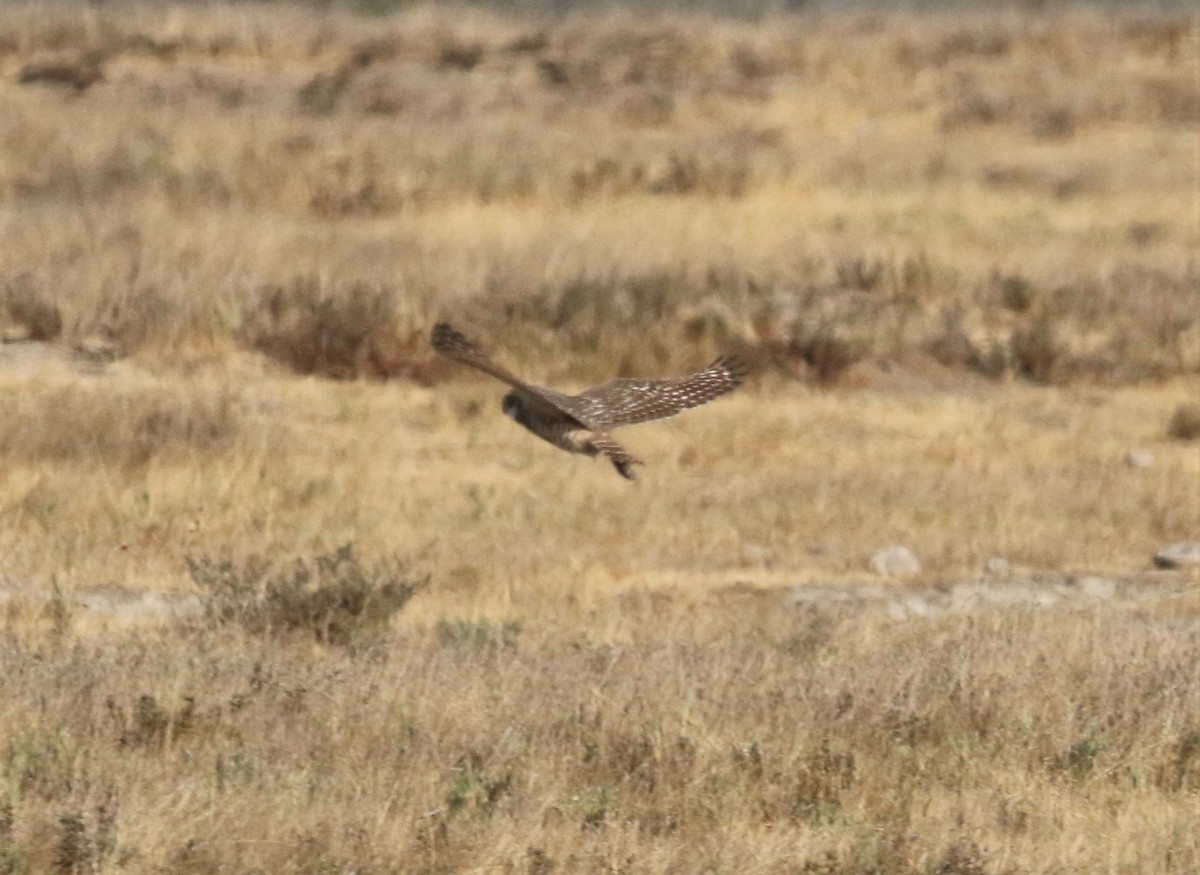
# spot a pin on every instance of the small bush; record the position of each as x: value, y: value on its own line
x: 335, y: 598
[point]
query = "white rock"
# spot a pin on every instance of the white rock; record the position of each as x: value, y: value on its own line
x: 1096, y: 587
x: 1179, y: 554
x: 895, y: 561
x: 1139, y: 459
x: 996, y: 565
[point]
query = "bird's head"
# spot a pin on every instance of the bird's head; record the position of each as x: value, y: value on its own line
x: 512, y: 406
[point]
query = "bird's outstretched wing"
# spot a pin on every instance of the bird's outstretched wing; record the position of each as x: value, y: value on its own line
x: 630, y: 401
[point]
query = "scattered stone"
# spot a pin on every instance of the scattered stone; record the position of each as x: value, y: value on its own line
x: 910, y: 606
x: 996, y: 565
x: 895, y: 561
x: 1185, y: 422
x: 802, y: 594
x: 1178, y: 555
x: 97, y: 349
x: 1096, y: 587
x: 973, y: 595
x: 1040, y: 592
x: 1139, y: 459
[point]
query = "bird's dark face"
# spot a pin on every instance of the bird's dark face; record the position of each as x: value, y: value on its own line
x: 513, y: 407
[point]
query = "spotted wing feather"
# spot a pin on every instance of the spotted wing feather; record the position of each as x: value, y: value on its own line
x: 630, y: 401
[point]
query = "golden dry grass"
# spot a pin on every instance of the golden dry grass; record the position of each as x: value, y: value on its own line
x: 600, y: 676
x: 960, y: 247
x: 974, y: 185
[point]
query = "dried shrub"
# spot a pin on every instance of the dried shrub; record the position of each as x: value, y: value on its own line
x: 951, y: 347
x: 1185, y: 422
x: 80, y: 71
x: 1014, y: 292
x: 321, y: 94
x: 460, y: 56
x: 860, y: 273
x: 338, y: 333
x: 335, y: 598
x: 1173, y: 100
x: 38, y: 318
x: 828, y: 354
x: 1054, y: 123
x: 1037, y: 352
x: 141, y: 316
x: 987, y: 41
x: 151, y: 726
x: 974, y: 108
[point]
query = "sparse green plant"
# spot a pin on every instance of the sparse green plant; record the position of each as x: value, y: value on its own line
x: 58, y: 610
x: 12, y: 860
x: 40, y: 762
x: 821, y: 779
x: 235, y: 769
x: 473, y: 790
x: 592, y: 806
x: 477, y: 635
x: 1080, y: 758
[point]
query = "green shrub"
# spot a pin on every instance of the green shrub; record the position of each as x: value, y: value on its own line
x: 336, y: 598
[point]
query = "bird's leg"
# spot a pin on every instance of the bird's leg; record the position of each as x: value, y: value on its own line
x: 625, y: 467
x: 622, y: 459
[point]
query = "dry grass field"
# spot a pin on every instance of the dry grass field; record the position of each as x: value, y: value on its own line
x: 285, y: 593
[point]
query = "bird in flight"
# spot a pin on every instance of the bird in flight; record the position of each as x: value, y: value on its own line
x: 582, y: 423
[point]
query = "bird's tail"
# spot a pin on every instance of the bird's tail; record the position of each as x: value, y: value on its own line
x: 449, y: 341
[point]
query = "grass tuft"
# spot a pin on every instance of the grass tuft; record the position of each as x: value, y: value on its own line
x: 118, y: 428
